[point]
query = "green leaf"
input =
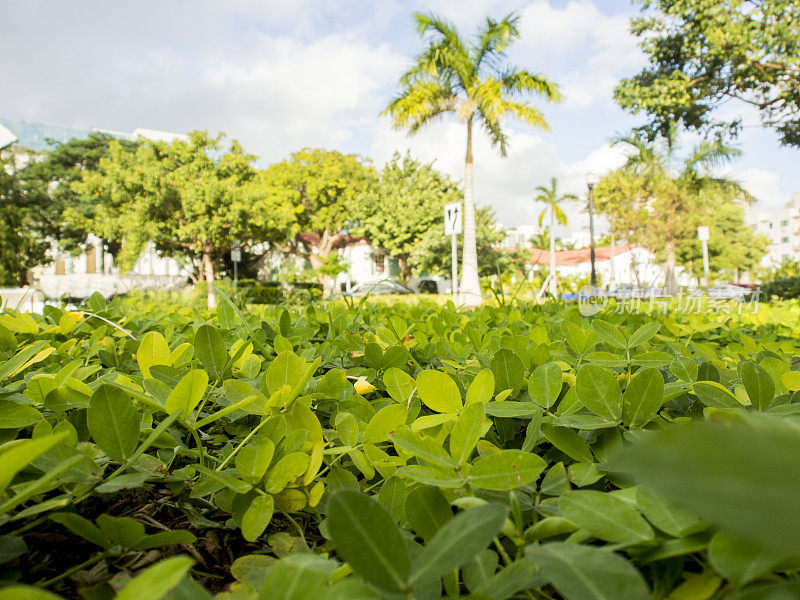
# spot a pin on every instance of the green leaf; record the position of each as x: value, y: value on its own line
x: 165, y: 538
x: 739, y: 561
x: 123, y: 531
x: 605, y: 516
x: 385, y: 421
x: 668, y: 518
x: 458, y: 541
x: 257, y: 517
x: 438, y: 392
x: 297, y: 577
x: 427, y: 510
x: 684, y: 368
x: 286, y: 369
x: 576, y: 337
x: 153, y: 350
x: 82, y: 527
x: 16, y: 415
x: 715, y: 395
x: 399, y: 385
x: 210, y: 349
x: 521, y: 574
x: 506, y: 470
x: 544, y: 384
x: 508, y: 370
x: 588, y: 573
x: 18, y: 455
x: 156, y: 581
x: 393, y: 498
x: 643, y: 397
x: 25, y: 592
x: 466, y: 432
x: 598, y: 390
x: 609, y: 333
x: 286, y: 470
x: 254, y: 459
x: 759, y: 385
x: 482, y: 387
x: 347, y: 429
x: 422, y: 446
x: 113, y: 422
x: 742, y: 475
x: 643, y: 334
x: 188, y: 393
x: 568, y: 441
x: 367, y: 538
x: 651, y: 359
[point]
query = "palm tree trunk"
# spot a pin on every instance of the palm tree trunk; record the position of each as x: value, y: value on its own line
x: 470, y: 288
x: 553, y: 276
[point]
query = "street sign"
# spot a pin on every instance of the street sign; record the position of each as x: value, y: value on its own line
x: 703, y: 234
x: 236, y: 255
x: 452, y: 218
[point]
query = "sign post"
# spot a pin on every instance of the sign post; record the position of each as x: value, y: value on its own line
x: 236, y: 257
x: 703, y: 234
x: 452, y: 227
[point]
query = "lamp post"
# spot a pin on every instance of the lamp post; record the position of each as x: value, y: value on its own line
x: 591, y: 180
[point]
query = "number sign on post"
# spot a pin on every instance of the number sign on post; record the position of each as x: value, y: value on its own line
x: 452, y: 227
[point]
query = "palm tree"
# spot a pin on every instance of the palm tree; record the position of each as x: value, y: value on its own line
x: 549, y: 196
x: 468, y: 78
x: 672, y: 181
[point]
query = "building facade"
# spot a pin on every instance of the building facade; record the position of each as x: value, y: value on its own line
x: 782, y: 228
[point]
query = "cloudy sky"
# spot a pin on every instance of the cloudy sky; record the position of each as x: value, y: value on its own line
x: 282, y: 75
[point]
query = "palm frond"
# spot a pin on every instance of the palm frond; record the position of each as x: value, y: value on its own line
x: 519, y: 81
x: 419, y: 105
x: 493, y: 39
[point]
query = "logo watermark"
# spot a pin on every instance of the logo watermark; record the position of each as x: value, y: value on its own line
x: 592, y: 300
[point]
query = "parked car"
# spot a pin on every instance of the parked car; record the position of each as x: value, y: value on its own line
x: 382, y: 287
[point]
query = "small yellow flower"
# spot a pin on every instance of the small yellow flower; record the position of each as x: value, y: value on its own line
x: 78, y: 316
x: 362, y: 386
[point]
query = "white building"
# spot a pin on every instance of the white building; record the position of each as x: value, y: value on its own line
x: 782, y: 228
x: 626, y: 264
x: 519, y: 236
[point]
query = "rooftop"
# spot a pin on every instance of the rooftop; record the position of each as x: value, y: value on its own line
x: 582, y: 255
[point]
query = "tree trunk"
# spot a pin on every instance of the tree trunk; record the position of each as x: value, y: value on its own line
x: 208, y: 267
x: 316, y: 261
x: 553, y: 288
x: 670, y: 280
x: 405, y: 267
x: 470, y: 289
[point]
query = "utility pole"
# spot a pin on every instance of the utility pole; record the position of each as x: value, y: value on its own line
x: 591, y: 180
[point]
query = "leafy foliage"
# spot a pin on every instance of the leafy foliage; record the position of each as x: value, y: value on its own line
x: 400, y: 449
x: 703, y: 54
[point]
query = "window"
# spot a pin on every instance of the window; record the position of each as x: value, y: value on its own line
x: 785, y: 223
x: 784, y: 240
x: 770, y: 225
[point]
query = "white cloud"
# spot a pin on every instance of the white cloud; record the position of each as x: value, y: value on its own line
x: 765, y: 186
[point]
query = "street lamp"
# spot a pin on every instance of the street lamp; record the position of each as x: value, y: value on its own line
x: 591, y: 180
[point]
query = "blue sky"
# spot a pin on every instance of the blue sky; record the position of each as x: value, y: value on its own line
x: 284, y: 75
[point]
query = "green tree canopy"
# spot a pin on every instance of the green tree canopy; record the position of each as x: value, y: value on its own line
x: 61, y: 211
x: 733, y: 246
x: 190, y: 196
x: 703, y: 53
x: 655, y: 196
x: 21, y: 247
x: 407, y: 202
x: 322, y: 189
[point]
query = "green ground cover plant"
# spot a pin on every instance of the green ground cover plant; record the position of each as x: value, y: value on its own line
x: 150, y: 449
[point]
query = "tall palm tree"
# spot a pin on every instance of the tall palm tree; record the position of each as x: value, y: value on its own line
x: 549, y: 196
x: 673, y: 180
x: 468, y: 77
